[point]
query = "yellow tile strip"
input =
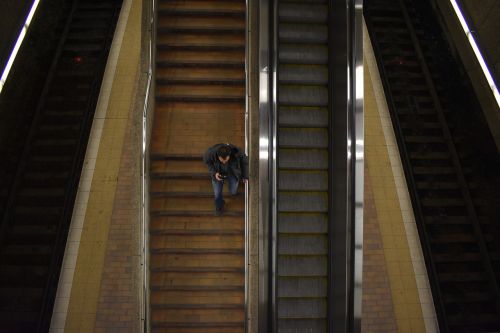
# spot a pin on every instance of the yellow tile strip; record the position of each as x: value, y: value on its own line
x: 112, y: 115
x: 379, y: 155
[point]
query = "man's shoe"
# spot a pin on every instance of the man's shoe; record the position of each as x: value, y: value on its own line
x: 218, y: 212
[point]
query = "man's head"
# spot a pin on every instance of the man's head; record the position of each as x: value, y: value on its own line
x: 224, y: 153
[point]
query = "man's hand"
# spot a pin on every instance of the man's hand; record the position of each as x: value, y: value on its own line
x: 217, y: 176
x: 245, y: 180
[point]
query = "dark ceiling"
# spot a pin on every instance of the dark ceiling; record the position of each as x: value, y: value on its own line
x: 13, y: 13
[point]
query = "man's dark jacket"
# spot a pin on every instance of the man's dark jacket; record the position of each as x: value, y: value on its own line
x: 238, y: 162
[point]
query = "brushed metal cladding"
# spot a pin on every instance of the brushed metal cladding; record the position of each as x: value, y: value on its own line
x: 264, y: 167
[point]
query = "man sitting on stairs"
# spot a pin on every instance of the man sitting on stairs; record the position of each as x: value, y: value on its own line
x: 225, y: 162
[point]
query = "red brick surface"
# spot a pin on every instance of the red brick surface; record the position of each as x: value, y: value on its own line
x: 118, y: 305
x: 378, y: 311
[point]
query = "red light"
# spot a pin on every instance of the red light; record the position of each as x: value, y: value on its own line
x: 78, y: 59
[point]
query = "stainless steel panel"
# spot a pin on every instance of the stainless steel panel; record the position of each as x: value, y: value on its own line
x: 264, y: 167
x: 346, y: 224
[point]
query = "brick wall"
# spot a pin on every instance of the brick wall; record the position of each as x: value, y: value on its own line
x: 378, y: 311
x: 118, y: 305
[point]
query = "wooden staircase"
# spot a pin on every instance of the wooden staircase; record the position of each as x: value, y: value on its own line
x: 197, y: 260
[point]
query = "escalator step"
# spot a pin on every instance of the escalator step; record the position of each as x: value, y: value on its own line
x: 302, y: 266
x: 303, y: 13
x: 301, y: 308
x: 302, y: 287
x: 296, y: 95
x: 301, y: 325
x: 313, y: 159
x: 303, y: 202
x: 303, y: 74
x: 303, y: 180
x: 302, y: 245
x: 303, y: 116
x: 302, y: 223
x: 303, y: 138
x: 303, y: 54
x: 303, y: 33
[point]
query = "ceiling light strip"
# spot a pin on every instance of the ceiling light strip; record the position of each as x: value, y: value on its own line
x: 477, y: 52
x: 19, y: 41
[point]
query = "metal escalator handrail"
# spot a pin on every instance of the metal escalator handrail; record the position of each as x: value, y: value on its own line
x: 346, y: 174
x: 247, y: 197
x: 265, y: 154
x: 146, y: 129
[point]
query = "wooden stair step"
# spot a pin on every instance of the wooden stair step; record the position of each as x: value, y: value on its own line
x: 201, y: 91
x: 202, y: 7
x: 191, y: 232
x: 201, y: 40
x: 193, y: 213
x: 236, y: 241
x: 174, y: 157
x: 198, y: 306
x: 199, y: 269
x: 180, y: 175
x: 203, y: 325
x: 193, y: 204
x: 199, y: 288
x: 182, y: 194
x: 199, y: 251
x: 194, y: 108
x: 197, y: 222
x: 179, y: 165
x: 180, y: 23
x: 179, y: 185
x: 201, y: 75
x: 189, y: 57
x: 233, y: 278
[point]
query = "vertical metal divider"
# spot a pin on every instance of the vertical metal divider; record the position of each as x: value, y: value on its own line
x: 265, y: 172
x: 274, y: 161
x: 346, y: 183
x: 146, y: 131
x: 247, y: 205
x: 357, y: 87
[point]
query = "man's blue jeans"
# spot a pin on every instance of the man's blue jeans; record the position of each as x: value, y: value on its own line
x: 217, y: 185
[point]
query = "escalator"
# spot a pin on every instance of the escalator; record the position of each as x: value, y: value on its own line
x: 303, y: 165
x: 313, y: 221
x: 40, y: 197
x: 450, y: 162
